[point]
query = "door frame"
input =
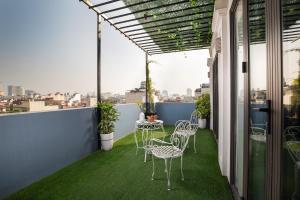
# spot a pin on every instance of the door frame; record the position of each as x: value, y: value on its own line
x: 274, y: 93
x: 274, y: 88
x: 215, y: 76
x: 233, y: 102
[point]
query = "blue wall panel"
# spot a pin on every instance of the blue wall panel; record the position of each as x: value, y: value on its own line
x: 33, y: 145
x: 171, y: 112
x: 129, y: 113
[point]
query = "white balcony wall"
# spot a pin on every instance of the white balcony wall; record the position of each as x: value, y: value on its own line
x: 221, y: 28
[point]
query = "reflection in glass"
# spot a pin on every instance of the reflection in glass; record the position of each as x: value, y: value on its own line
x: 258, y: 120
x: 291, y: 99
x: 239, y: 93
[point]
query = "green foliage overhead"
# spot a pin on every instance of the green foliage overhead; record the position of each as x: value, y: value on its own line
x: 108, y: 116
x: 197, y: 20
x: 203, y: 106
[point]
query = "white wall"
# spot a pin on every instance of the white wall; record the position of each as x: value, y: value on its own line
x: 221, y: 28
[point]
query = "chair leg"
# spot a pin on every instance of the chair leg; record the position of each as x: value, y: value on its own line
x: 182, y: 177
x: 166, y: 166
x: 145, y: 158
x: 195, y: 143
x: 168, y: 172
x: 136, y: 142
x: 153, y: 168
x: 143, y: 140
x: 169, y: 179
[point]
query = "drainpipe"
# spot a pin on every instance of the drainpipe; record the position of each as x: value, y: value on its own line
x: 147, y: 82
x: 99, y: 20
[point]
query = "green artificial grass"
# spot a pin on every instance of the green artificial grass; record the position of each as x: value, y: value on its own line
x: 121, y: 174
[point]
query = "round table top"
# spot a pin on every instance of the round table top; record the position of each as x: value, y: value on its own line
x: 146, y: 125
x: 147, y: 122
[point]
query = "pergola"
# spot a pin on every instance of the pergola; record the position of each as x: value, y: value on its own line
x: 155, y: 26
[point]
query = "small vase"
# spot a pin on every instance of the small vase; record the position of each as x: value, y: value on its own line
x: 142, y: 117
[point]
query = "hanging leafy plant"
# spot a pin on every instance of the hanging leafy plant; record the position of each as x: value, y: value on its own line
x: 170, y: 33
x: 193, y: 2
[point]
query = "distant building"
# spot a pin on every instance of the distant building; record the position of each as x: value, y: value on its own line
x: 198, y: 92
x: 15, y: 90
x: 57, y: 96
x: 106, y: 95
x: 164, y: 93
x: 91, y: 101
x: 135, y: 96
x: 1, y: 90
x: 143, y: 85
x: 29, y: 93
x: 74, y: 100
x: 189, y: 92
x: 3, y: 106
x: 34, y: 106
x: 188, y: 99
x: 205, y: 89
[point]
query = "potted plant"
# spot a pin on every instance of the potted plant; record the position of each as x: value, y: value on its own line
x: 108, y: 116
x: 203, y: 107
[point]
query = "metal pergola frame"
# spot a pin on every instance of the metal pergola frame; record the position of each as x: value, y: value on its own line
x: 173, y: 33
x: 181, y: 26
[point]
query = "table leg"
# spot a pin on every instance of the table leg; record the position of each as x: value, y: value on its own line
x: 162, y: 128
x: 136, y: 141
x: 146, y: 145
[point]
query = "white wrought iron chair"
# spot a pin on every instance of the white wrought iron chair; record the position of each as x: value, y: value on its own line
x: 194, y: 126
x: 291, y: 134
x: 171, y: 150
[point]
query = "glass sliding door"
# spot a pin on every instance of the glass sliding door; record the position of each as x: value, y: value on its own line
x: 291, y: 99
x: 239, y: 97
x: 258, y: 91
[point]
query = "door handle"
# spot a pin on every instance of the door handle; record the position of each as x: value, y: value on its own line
x: 268, y: 111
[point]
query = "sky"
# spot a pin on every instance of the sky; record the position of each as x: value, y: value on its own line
x: 50, y: 46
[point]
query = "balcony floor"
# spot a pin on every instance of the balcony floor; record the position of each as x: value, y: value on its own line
x: 121, y: 174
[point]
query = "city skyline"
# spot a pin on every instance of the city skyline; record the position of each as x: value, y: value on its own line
x: 5, y: 88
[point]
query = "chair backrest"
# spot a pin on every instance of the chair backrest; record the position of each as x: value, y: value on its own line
x: 180, y: 138
x: 195, y: 120
x: 257, y: 131
x: 291, y: 133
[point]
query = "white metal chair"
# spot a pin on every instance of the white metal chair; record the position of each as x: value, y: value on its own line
x: 194, y: 123
x: 291, y: 135
x: 171, y: 150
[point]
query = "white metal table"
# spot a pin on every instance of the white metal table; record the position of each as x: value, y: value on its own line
x: 146, y: 129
